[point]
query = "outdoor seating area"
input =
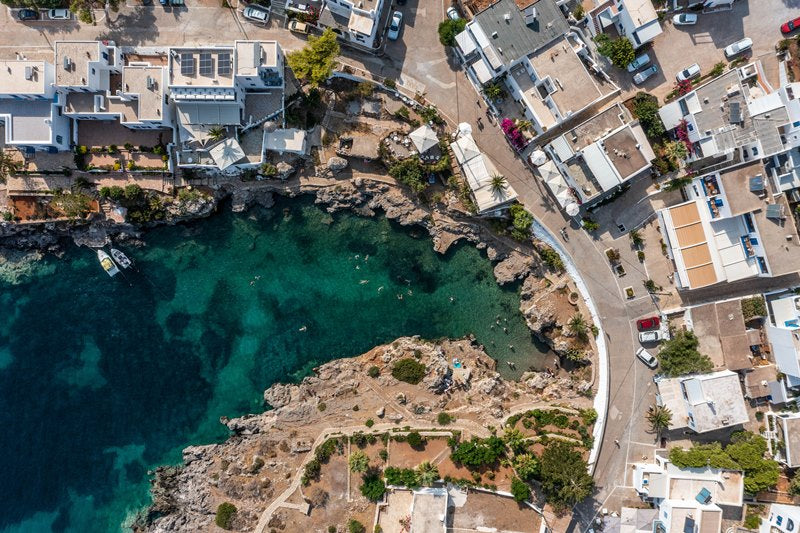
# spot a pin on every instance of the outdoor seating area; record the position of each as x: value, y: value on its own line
x: 423, y: 142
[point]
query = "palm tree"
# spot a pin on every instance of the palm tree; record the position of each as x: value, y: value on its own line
x: 498, y: 183
x: 523, y: 125
x: 577, y: 325
x: 217, y: 133
x: 427, y: 474
x: 659, y: 417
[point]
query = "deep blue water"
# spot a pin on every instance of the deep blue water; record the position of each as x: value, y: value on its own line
x: 102, y: 379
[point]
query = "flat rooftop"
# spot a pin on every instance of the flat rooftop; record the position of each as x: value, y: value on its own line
x: 779, y: 239
x: 725, y: 486
x: 202, y: 67
x: 250, y: 55
x: 429, y: 510
x: 22, y: 77
x: 514, y: 36
x: 756, y: 382
x: 86, y: 103
x: 623, y: 150
x: 79, y: 54
x: 29, y: 119
x: 576, y: 88
x: 736, y: 184
x: 721, y: 332
x: 478, y: 511
x: 532, y: 96
x: 146, y: 83
x: 597, y: 127
x: 790, y: 427
x: 713, y: 401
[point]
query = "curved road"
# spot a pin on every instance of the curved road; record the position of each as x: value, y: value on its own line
x: 424, y: 66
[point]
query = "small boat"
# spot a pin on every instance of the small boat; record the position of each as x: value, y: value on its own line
x: 107, y: 264
x: 121, y: 259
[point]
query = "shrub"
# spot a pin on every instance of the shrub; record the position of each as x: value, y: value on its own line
x: 551, y: 258
x: 321, y: 406
x: 410, y: 172
x: 589, y: 416
x: 679, y: 356
x: 374, y: 372
x: 358, y: 461
x: 522, y: 221
x: 409, y: 370
x: 645, y: 107
x: 269, y: 170
x: 372, y: 487
x: 478, y: 452
x: 753, y: 307
x: 444, y: 418
x: 128, y: 146
x: 414, y: 439
x: 369, y: 423
x: 402, y: 113
x: 401, y: 477
x: 225, y: 513
x: 520, y: 490
x: 354, y: 526
x: 590, y: 225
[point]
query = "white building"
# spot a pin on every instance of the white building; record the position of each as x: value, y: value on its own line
x: 32, y: 121
x: 785, y: 440
x: 703, y: 402
x: 690, y: 499
x: 550, y: 73
x: 86, y: 66
x: 479, y: 171
x: 635, y: 19
x: 783, y: 331
x: 730, y: 229
x: 357, y: 23
x: 782, y: 519
x: 601, y: 154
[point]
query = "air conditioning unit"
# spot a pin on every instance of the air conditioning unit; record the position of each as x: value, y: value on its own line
x: 150, y: 83
x: 28, y: 73
x: 67, y: 63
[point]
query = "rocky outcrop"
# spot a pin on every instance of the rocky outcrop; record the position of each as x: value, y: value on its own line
x: 513, y: 268
x: 337, y: 164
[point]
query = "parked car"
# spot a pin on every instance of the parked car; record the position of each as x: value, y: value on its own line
x: 395, y: 26
x: 27, y: 14
x: 789, y: 27
x: 59, y: 14
x: 692, y: 71
x: 452, y: 13
x: 299, y: 27
x: 651, y: 322
x: 164, y: 2
x: 256, y: 14
x: 738, y: 47
x: 646, y: 357
x: 649, y: 336
x: 640, y: 77
x: 638, y: 63
x: 684, y: 19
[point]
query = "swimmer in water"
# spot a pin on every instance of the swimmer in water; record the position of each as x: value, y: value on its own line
x: 399, y: 296
x: 380, y: 288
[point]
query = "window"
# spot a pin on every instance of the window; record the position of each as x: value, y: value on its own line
x: 762, y: 266
x: 59, y: 139
x: 753, y: 241
x: 105, y: 56
x: 779, y: 520
x: 789, y: 524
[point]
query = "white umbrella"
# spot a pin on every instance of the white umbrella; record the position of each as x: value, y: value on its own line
x: 424, y: 138
x: 538, y: 158
x: 464, y: 129
x: 573, y: 209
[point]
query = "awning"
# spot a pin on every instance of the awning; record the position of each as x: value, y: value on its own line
x: 465, y: 149
x: 226, y: 153
x: 538, y: 158
x: 285, y: 140
x: 424, y: 138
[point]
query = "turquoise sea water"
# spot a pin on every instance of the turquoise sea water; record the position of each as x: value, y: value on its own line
x: 102, y: 379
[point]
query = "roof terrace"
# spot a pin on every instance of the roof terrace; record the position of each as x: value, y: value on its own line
x: 72, y: 62
x: 22, y: 77
x: 202, y: 67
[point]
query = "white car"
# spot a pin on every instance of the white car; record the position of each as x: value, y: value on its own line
x: 395, y: 26
x: 646, y: 357
x: 638, y: 63
x: 649, y: 336
x: 692, y: 71
x: 59, y: 14
x: 256, y: 14
x: 684, y: 19
x: 738, y: 47
x: 642, y: 76
x: 452, y: 13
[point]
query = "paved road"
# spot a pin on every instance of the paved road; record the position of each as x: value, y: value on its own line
x: 427, y: 67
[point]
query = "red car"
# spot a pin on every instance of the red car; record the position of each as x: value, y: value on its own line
x: 790, y: 26
x: 648, y: 323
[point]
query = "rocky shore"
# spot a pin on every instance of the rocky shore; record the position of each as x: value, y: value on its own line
x: 260, y: 462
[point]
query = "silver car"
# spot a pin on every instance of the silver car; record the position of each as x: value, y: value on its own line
x: 649, y: 336
x: 738, y: 47
x: 395, y: 26
x: 646, y: 357
x: 638, y: 63
x: 642, y: 76
x: 256, y: 14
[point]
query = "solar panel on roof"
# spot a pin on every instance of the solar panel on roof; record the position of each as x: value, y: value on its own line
x: 756, y: 184
x: 736, y: 113
x: 187, y: 64
x: 224, y: 63
x: 775, y: 211
x: 206, y: 67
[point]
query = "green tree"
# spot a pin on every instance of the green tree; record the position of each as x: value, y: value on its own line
x: 448, y: 30
x: 444, y: 418
x: 217, y: 133
x: 132, y: 191
x: 427, y: 474
x: 636, y: 238
x: 410, y: 172
x: 354, y: 526
x: 514, y: 439
x: 659, y: 417
x: 564, y: 476
x: 314, y: 63
x: 7, y: 165
x: 494, y: 91
x: 679, y: 356
x: 578, y: 326
x: 498, y: 184
x: 522, y: 221
x: 414, y: 439
x: 645, y: 108
x: 225, y: 514
x: 526, y: 465
x: 372, y: 487
x: 358, y: 461
x: 620, y: 51
x: 520, y: 490
x: 73, y: 205
x: 677, y: 183
x: 794, y: 485
x: 408, y: 370
x: 478, y: 452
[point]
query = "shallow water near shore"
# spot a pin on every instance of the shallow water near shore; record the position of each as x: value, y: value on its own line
x: 102, y: 379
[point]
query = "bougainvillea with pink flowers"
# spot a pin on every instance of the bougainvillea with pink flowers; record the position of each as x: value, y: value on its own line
x: 682, y: 132
x: 513, y: 134
x: 684, y: 87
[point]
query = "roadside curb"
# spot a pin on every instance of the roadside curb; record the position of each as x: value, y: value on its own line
x: 601, y: 399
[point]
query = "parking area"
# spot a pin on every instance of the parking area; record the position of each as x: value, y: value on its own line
x: 759, y: 20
